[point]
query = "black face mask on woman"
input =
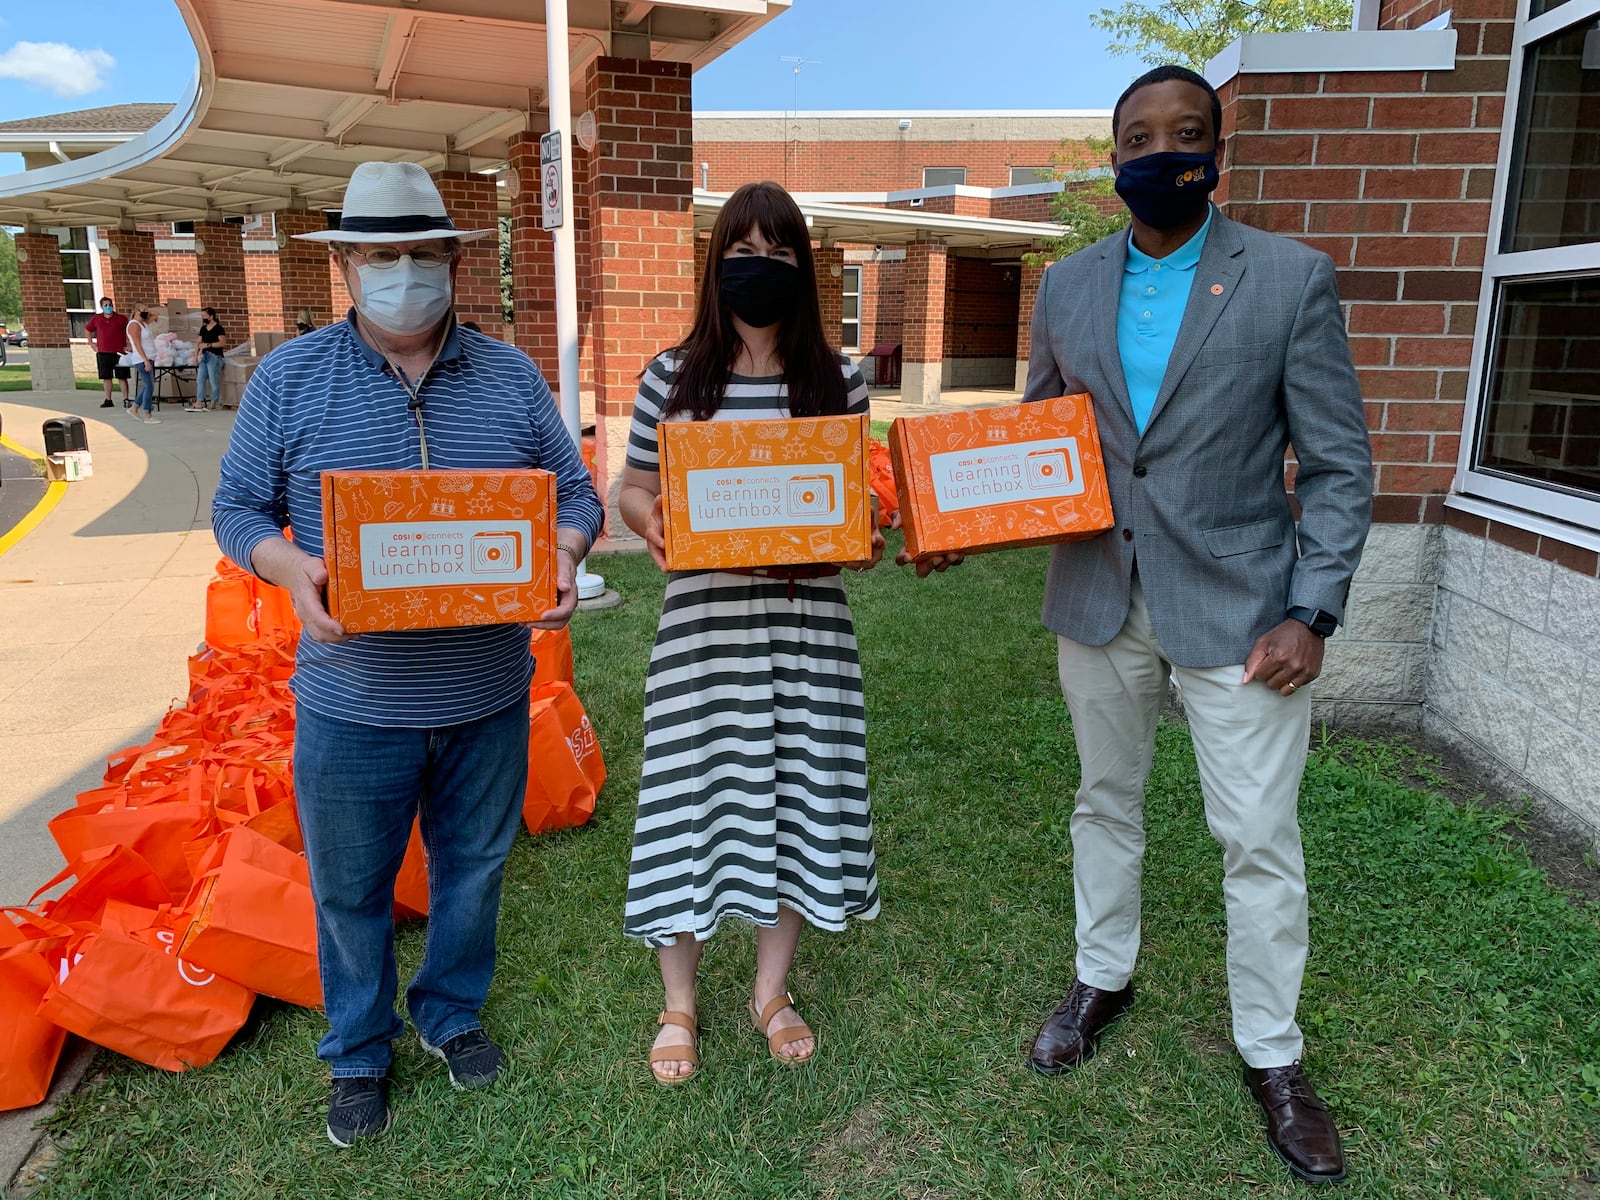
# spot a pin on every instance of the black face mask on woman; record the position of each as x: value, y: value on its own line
x: 1167, y: 190
x: 759, y: 291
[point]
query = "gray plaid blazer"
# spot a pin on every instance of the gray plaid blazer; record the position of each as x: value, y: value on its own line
x: 1261, y: 362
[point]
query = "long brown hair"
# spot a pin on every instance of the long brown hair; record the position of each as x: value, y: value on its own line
x: 705, y: 358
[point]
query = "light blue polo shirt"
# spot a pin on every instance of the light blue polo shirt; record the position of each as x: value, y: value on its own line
x: 1154, y: 294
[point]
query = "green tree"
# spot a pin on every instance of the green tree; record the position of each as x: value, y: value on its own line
x: 10, y: 281
x: 1192, y: 32
x: 508, y: 306
x: 1088, y: 205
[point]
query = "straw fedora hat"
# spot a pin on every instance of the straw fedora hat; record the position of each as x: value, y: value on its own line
x: 392, y: 202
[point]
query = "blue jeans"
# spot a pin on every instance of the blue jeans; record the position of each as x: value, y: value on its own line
x: 144, y: 397
x: 358, y: 789
x: 208, y: 370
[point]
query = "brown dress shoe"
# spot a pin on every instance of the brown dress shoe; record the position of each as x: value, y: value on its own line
x: 1066, y: 1039
x: 1299, y: 1128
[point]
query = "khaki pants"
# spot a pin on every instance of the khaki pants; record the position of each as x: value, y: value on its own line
x: 1250, y: 745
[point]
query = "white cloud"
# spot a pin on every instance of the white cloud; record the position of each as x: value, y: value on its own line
x: 57, y: 67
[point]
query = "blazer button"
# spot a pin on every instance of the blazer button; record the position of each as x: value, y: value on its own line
x: 1139, y: 472
x: 1127, y: 535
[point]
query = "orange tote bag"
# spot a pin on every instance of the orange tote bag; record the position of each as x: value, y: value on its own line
x: 125, y: 988
x: 252, y: 919
x: 565, y: 767
x: 30, y: 1046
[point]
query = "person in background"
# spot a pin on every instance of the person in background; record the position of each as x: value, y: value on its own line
x: 1208, y: 348
x: 303, y: 322
x: 393, y: 727
x: 107, y: 331
x: 141, y: 357
x: 208, y: 376
x: 754, y: 801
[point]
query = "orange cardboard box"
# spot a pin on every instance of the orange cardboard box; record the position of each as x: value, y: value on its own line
x: 993, y: 478
x: 775, y: 493
x: 425, y: 549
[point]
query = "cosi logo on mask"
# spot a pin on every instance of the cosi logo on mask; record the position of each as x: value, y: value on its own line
x: 760, y: 291
x: 1169, y: 189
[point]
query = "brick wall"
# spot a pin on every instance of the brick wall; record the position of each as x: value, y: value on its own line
x: 829, y: 266
x: 222, y: 278
x: 1391, y: 174
x: 178, y: 276
x: 44, y: 296
x: 983, y: 309
x: 1410, y: 14
x: 302, y: 273
x: 130, y: 277
x: 264, y: 291
x: 1027, y: 293
x: 872, y: 166
x: 471, y: 201
x: 883, y: 303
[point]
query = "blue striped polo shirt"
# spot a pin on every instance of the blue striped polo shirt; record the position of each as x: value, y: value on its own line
x: 328, y: 401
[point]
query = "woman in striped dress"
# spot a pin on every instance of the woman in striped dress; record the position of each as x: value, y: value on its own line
x: 753, y: 802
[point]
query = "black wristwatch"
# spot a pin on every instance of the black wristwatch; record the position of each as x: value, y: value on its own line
x: 1320, y: 623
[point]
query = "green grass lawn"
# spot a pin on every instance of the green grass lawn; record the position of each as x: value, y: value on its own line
x: 14, y: 377
x: 1452, y: 1003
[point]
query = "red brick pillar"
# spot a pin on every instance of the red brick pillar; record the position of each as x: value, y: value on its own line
x: 303, y: 272
x: 830, y: 292
x: 702, y: 251
x: 641, y: 235
x: 1391, y: 174
x: 222, y: 278
x: 927, y: 264
x: 471, y: 201
x: 533, y: 263
x: 44, y: 311
x: 128, y: 268
x: 1030, y: 292
x: 263, y: 285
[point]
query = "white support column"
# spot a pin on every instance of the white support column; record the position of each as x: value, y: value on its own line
x: 590, y: 585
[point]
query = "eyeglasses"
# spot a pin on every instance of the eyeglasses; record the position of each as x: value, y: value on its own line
x: 384, y: 257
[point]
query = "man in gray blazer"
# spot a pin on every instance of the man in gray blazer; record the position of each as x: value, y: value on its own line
x: 1208, y: 348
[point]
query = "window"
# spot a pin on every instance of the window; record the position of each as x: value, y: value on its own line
x: 183, y: 229
x: 1022, y: 176
x: 1535, y: 420
x: 851, y: 337
x: 943, y: 176
x: 77, y: 277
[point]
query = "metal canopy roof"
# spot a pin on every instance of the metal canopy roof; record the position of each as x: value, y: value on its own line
x: 290, y: 95
x: 863, y: 224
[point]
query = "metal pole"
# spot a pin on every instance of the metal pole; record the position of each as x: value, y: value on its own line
x: 560, y: 94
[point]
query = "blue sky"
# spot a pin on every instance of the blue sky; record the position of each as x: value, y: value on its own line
x: 880, y: 54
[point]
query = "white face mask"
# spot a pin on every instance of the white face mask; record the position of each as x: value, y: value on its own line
x: 404, y: 299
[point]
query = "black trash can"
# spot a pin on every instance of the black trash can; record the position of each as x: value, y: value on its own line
x: 64, y: 434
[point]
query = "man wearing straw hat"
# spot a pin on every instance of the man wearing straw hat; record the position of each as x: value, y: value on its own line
x: 395, y: 725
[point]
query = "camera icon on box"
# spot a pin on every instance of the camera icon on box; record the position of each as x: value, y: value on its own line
x: 1047, y: 470
x: 810, y: 496
x: 496, y: 553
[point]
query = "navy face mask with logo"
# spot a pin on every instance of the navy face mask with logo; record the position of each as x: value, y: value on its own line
x: 1167, y: 190
x: 759, y: 291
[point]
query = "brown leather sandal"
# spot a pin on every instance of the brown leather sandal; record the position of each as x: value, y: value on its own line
x: 689, y: 1054
x: 788, y: 1035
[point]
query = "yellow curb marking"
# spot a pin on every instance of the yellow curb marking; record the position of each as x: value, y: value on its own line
x: 52, y: 497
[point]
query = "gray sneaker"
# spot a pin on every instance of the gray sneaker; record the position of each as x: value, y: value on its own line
x: 474, y: 1060
x: 358, y: 1108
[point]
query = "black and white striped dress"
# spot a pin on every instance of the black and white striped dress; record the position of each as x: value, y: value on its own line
x: 755, y: 747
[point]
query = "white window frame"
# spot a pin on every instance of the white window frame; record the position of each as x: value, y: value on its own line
x: 1526, y: 505
x: 1033, y: 178
x: 926, y: 184
x: 844, y: 290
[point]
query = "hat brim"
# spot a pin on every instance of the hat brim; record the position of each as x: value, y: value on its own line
x: 417, y: 235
